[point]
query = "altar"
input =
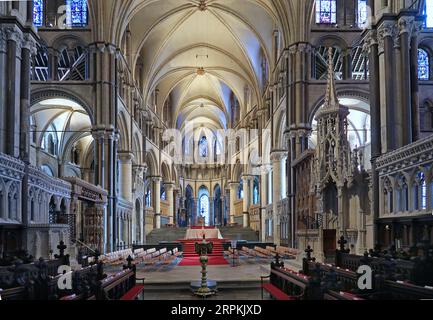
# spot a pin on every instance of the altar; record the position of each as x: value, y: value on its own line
x: 197, y: 233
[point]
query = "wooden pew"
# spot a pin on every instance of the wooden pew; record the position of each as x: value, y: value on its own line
x: 264, y: 253
x: 289, y: 285
x: 121, y: 286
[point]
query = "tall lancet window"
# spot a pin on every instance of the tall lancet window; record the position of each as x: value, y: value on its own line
x: 38, y: 13
x: 362, y: 13
x: 76, y: 13
x: 203, y: 147
x: 326, y: 11
x: 204, y: 208
x: 423, y: 65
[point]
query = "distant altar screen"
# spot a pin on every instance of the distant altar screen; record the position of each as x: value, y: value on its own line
x: 198, y: 234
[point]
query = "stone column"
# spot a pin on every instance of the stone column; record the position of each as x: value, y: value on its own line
x: 391, y: 130
x: 263, y: 201
x: 157, y: 193
x: 11, y: 109
x: 414, y: 80
x: 233, y: 189
x: 277, y: 158
x: 406, y: 25
x: 347, y: 64
x: 246, y: 201
x: 125, y: 180
x: 105, y: 176
x: 170, y: 198
x: 125, y: 228
x: 372, y: 48
x: 53, y: 61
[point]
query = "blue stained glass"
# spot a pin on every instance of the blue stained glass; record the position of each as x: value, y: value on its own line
x: 423, y: 65
x: 362, y: 12
x: 77, y: 13
x: 326, y: 11
x: 204, y: 205
x: 38, y: 13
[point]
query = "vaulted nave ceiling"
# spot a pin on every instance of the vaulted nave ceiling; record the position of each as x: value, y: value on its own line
x: 172, y: 40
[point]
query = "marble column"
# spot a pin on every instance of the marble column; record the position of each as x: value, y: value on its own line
x: 263, y: 201
x: 405, y: 25
x: 372, y: 48
x: 125, y: 180
x: 246, y: 201
x: 391, y: 130
x: 53, y: 61
x: 11, y: 108
x: 125, y: 228
x: 233, y: 190
x: 278, y: 158
x: 169, y: 187
x: 347, y: 64
x: 414, y: 82
x: 157, y: 193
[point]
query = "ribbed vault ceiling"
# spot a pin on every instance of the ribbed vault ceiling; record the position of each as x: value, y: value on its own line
x: 173, y: 39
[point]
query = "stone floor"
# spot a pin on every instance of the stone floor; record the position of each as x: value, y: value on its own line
x: 223, y: 294
x: 219, y: 273
x: 241, y: 282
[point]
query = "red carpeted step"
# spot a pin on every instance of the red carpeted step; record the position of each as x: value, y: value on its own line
x: 191, y: 258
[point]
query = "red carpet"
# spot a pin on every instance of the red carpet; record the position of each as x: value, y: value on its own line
x: 190, y: 258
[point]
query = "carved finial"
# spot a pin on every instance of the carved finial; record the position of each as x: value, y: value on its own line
x: 331, y: 100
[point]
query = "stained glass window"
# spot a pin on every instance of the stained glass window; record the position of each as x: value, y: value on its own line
x: 423, y: 65
x: 203, y: 147
x: 423, y: 187
x: 204, y: 208
x: 362, y: 13
x: 326, y: 11
x: 76, y: 13
x: 38, y: 13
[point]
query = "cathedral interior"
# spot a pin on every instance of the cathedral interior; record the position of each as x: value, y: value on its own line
x: 275, y: 128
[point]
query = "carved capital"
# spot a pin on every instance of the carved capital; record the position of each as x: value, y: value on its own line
x: 125, y: 156
x: 29, y: 43
x: 406, y: 25
x: 279, y: 155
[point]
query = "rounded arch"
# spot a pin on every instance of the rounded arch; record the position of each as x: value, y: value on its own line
x: 237, y: 171
x: 136, y: 148
x: 279, y: 140
x: 123, y: 131
x: 331, y: 41
x: 350, y: 93
x: 165, y: 172
x: 152, y: 163
x: 68, y: 41
x: 41, y: 94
